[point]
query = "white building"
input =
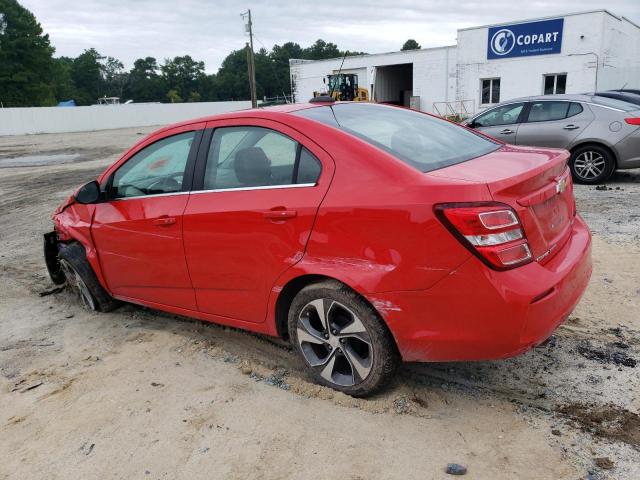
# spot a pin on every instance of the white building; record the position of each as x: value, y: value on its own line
x: 574, y: 53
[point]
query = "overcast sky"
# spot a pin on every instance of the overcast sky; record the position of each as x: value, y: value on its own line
x: 209, y: 29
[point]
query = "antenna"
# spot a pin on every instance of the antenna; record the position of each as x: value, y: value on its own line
x: 340, y: 70
x: 622, y: 87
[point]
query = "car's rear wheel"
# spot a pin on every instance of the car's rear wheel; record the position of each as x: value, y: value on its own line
x: 591, y: 164
x: 82, y: 279
x: 342, y: 339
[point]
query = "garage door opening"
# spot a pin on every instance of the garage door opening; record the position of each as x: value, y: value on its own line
x: 394, y: 84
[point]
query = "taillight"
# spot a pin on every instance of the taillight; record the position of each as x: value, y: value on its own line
x: 633, y: 120
x: 491, y: 231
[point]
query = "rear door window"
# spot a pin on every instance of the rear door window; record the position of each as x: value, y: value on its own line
x: 246, y: 157
x: 420, y: 140
x: 548, y: 111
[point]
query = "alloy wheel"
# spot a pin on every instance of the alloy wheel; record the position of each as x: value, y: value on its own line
x: 77, y: 283
x: 589, y: 165
x: 335, y: 342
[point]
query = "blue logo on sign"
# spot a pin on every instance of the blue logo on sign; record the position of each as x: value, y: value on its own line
x: 524, y: 39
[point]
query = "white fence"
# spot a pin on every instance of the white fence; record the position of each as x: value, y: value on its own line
x: 22, y: 121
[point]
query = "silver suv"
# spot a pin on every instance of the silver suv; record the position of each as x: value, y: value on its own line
x: 602, y: 134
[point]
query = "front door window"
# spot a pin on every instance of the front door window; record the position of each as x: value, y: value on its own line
x: 157, y: 169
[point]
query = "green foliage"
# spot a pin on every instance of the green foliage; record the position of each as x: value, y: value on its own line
x: 174, y: 97
x: 86, y: 73
x: 411, y: 44
x: 144, y: 82
x: 25, y: 58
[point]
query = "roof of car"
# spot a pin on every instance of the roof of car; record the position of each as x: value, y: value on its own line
x: 265, y: 112
x: 577, y: 97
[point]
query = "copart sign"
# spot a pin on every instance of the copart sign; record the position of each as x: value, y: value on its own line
x: 524, y: 39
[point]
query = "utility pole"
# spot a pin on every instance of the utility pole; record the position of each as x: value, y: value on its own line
x: 251, y: 65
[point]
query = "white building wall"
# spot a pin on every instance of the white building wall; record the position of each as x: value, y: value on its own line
x: 433, y: 73
x: 620, y: 55
x: 24, y: 121
x: 523, y: 76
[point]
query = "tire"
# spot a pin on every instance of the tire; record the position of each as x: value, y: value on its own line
x: 591, y: 164
x: 353, y: 352
x: 81, y: 277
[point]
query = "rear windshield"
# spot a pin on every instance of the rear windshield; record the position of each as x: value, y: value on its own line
x: 424, y: 142
x: 614, y: 103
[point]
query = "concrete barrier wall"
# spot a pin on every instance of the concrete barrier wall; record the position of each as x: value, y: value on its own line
x: 23, y: 121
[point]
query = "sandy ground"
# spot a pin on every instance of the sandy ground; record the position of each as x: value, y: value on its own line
x: 140, y: 394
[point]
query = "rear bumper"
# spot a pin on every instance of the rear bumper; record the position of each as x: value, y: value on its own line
x: 628, y: 151
x: 479, y: 314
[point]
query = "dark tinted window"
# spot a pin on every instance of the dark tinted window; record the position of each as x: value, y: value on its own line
x: 574, y: 109
x: 504, y: 115
x: 243, y: 157
x: 157, y: 168
x: 548, y: 111
x: 308, y: 168
x: 422, y: 141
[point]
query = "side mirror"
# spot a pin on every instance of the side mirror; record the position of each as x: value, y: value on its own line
x: 89, y: 193
x: 471, y: 124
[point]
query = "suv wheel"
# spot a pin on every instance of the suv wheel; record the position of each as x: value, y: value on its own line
x: 591, y: 164
x: 342, y: 339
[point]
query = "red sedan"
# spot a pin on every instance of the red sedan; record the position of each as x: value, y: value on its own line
x: 366, y: 234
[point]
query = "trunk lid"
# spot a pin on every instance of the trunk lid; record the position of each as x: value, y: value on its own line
x: 535, y: 182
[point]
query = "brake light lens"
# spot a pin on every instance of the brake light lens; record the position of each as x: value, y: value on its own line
x: 633, y: 120
x: 491, y: 231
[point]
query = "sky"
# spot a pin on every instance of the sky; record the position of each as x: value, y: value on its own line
x: 208, y: 30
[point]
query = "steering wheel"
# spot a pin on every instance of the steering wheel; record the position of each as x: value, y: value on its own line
x: 167, y: 184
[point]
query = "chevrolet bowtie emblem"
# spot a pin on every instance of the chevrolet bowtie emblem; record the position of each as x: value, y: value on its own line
x: 561, y: 185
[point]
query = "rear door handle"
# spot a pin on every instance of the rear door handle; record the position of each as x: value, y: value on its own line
x: 279, y: 214
x: 507, y: 131
x: 570, y: 127
x: 164, y: 221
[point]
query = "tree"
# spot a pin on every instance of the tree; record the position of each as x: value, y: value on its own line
x: 86, y: 73
x: 61, y: 81
x: 26, y: 58
x: 182, y: 74
x: 114, y: 77
x: 174, y: 97
x: 144, y: 83
x: 411, y: 44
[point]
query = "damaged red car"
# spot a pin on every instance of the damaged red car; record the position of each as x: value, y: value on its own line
x: 366, y: 234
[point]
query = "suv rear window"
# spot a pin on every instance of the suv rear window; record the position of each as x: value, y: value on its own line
x: 426, y: 143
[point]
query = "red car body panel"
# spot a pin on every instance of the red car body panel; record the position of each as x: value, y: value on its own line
x: 369, y: 222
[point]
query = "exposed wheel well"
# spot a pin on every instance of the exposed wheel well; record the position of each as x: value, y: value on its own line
x: 291, y: 289
x: 596, y: 144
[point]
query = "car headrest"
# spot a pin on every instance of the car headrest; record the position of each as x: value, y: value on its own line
x: 252, y: 167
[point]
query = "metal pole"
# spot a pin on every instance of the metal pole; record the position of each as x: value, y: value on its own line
x: 597, y: 64
x: 252, y: 76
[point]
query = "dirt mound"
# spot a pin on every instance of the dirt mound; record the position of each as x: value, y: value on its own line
x: 607, y: 421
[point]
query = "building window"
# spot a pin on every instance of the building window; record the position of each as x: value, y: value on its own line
x: 490, y: 91
x: 555, y: 83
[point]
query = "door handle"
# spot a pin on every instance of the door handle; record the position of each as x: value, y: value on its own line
x: 279, y: 214
x: 570, y: 127
x: 164, y: 221
x: 507, y: 131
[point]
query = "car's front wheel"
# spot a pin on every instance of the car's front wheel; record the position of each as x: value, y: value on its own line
x: 82, y: 279
x: 591, y: 164
x: 342, y: 339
